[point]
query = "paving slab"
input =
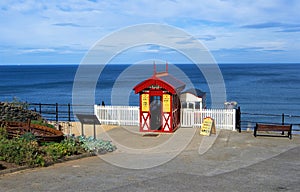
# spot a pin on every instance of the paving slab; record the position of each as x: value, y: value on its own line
x: 227, y: 161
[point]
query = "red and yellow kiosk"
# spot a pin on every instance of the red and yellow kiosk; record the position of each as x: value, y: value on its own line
x: 159, y: 102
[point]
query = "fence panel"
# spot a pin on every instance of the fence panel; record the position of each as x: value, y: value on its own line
x: 117, y: 115
x: 224, y: 118
x: 129, y: 115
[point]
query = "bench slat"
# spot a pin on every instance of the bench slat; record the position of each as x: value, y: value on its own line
x: 272, y: 127
x: 261, y: 127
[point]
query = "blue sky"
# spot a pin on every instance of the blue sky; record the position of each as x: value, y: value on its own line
x: 61, y: 32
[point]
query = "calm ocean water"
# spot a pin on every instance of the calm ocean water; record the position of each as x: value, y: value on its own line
x: 258, y: 88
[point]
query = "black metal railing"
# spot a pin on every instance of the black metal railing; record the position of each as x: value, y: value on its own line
x: 244, y: 120
x: 57, y: 112
x: 249, y: 120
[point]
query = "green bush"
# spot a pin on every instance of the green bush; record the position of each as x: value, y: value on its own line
x: 67, y: 147
x: 3, y: 133
x: 28, y: 137
x: 21, y: 152
x: 25, y: 150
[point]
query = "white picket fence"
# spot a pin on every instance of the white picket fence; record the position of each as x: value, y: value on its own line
x: 117, y: 115
x: 129, y: 115
x: 224, y: 118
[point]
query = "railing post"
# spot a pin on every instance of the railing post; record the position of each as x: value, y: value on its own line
x: 69, y: 112
x: 56, y: 112
x: 282, y: 122
x: 238, y: 119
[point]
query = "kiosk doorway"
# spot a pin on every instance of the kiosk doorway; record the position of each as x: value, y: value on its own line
x: 155, y: 113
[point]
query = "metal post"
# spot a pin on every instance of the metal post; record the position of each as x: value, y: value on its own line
x: 56, y: 112
x: 282, y: 122
x: 94, y: 131
x: 69, y: 118
x: 69, y: 112
x: 82, y: 133
x: 238, y: 119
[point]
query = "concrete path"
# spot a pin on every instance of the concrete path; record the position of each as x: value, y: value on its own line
x: 228, y: 161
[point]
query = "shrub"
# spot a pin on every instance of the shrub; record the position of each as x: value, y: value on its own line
x: 21, y: 152
x: 67, y: 147
x: 3, y: 133
x: 26, y: 150
x: 28, y: 136
x: 96, y: 146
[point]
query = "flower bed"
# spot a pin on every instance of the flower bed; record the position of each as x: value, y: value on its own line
x: 26, y: 150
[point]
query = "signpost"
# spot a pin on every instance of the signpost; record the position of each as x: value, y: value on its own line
x: 88, y: 119
x: 208, y: 127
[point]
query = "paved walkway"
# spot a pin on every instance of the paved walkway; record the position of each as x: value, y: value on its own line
x: 228, y: 161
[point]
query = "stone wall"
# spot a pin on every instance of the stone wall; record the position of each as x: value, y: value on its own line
x: 17, y: 112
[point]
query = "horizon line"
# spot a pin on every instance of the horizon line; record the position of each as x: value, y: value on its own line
x: 233, y: 63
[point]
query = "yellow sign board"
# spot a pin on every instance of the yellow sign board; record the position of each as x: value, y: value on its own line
x: 145, y: 102
x: 208, y: 127
x: 166, y: 103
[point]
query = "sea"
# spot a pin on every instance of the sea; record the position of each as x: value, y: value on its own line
x: 260, y: 90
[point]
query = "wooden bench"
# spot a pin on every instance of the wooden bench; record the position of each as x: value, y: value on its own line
x: 273, y: 128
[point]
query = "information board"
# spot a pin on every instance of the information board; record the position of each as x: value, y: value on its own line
x: 90, y: 119
x: 166, y: 103
x: 145, y: 102
x: 208, y: 127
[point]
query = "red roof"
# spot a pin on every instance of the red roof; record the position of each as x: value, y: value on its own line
x: 164, y: 80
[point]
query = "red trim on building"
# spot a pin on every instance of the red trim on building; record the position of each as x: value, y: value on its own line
x: 158, y: 87
x: 154, y: 81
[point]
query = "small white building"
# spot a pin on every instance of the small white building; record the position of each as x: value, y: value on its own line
x: 193, y: 99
